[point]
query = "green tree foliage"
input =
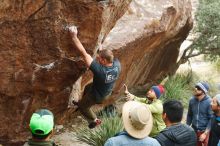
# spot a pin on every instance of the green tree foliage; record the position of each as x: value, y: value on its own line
x: 206, y: 31
x: 208, y: 27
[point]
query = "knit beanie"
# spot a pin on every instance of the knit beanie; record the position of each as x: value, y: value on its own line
x: 204, y: 86
x: 218, y: 98
x: 158, y: 90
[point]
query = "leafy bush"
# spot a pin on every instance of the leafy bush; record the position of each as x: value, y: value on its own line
x: 98, y: 136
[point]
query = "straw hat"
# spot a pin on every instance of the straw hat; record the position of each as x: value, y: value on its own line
x: 137, y: 119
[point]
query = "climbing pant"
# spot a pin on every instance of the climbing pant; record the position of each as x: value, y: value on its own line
x: 86, y: 103
x: 202, y: 143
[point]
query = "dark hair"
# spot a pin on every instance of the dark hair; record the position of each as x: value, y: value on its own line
x: 174, y: 110
x: 106, y: 54
x: 41, y: 137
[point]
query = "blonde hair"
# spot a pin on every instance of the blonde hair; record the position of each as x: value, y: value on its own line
x: 106, y: 54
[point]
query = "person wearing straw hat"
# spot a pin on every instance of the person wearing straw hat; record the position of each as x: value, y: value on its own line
x: 215, y: 122
x: 155, y: 105
x: 41, y: 126
x: 137, y: 120
x: 176, y: 133
x: 200, y: 113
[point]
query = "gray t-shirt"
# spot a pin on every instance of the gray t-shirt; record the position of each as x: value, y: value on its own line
x: 104, y: 78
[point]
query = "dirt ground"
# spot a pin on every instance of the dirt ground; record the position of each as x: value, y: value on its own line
x: 65, y: 134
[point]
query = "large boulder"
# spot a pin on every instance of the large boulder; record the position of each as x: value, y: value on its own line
x: 147, y: 41
x: 38, y: 63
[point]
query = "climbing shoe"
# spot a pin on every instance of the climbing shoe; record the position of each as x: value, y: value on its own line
x: 95, y: 123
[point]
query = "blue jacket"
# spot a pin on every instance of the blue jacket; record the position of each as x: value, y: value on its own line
x: 123, y: 139
x: 200, y: 114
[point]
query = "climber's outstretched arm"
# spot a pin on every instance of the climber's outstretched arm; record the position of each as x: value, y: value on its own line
x: 86, y: 57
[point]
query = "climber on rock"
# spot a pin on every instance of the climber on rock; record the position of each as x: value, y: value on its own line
x: 106, y: 71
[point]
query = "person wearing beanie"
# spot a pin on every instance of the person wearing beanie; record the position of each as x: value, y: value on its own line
x: 152, y: 100
x: 215, y: 122
x: 41, y: 127
x: 199, y: 113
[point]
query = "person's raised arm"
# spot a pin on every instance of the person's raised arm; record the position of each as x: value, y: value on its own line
x: 86, y: 57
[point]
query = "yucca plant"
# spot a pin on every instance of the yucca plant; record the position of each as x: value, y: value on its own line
x: 179, y: 87
x: 110, y: 126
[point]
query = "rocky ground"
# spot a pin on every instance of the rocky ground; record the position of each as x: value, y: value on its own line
x: 65, y: 135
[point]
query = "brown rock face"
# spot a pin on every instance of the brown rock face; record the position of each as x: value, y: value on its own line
x: 147, y: 40
x: 39, y: 64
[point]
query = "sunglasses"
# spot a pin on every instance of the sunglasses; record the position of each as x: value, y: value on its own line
x: 198, y: 88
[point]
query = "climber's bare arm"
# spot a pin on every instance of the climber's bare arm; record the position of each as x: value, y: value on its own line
x: 86, y: 57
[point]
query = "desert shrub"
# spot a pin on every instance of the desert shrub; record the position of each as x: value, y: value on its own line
x: 110, y: 126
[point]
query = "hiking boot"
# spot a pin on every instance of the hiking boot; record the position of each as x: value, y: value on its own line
x: 95, y: 123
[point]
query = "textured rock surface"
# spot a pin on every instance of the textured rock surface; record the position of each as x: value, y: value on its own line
x: 39, y: 66
x: 147, y: 40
